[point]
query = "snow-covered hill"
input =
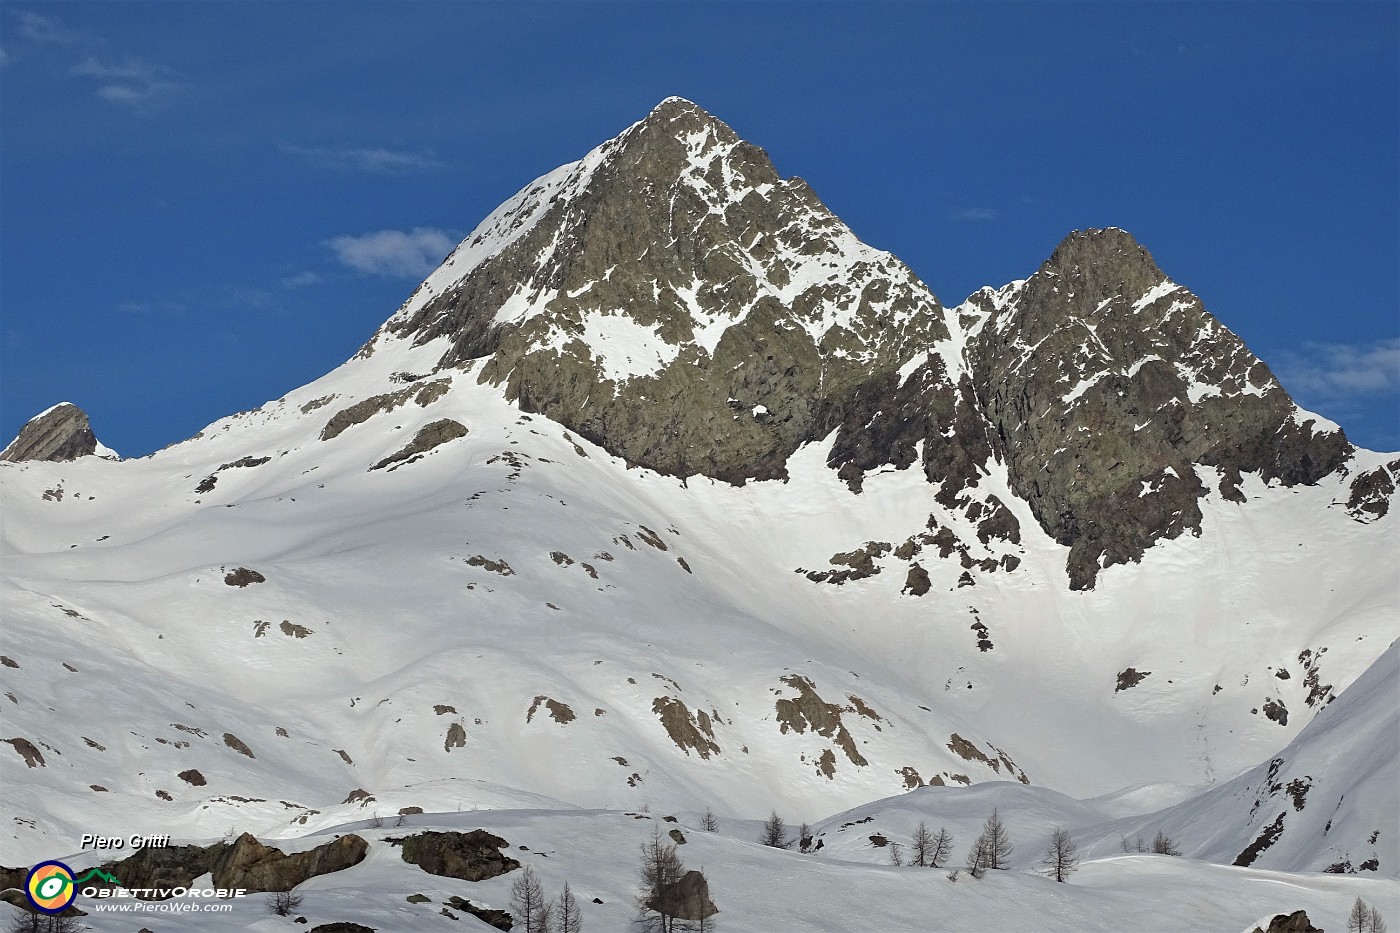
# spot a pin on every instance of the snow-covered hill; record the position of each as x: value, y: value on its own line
x: 798, y: 546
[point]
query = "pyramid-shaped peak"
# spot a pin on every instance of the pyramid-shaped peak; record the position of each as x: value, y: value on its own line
x: 678, y: 108
x: 1106, y: 247
x: 676, y: 118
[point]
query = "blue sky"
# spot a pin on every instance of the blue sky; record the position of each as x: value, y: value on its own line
x: 205, y: 205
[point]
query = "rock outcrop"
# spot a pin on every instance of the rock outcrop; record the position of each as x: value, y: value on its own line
x: 1107, y: 384
x: 1296, y: 922
x: 673, y: 299
x: 249, y: 864
x: 59, y: 434
x: 244, y: 863
x: 687, y: 899
x: 473, y: 856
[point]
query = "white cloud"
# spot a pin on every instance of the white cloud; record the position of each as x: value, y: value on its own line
x: 132, y: 83
x: 45, y: 31
x: 410, y: 255
x: 1338, y: 371
x: 975, y: 214
x: 382, y: 161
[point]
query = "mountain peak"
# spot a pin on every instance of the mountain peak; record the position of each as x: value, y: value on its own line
x: 1107, y: 262
x: 674, y: 105
x: 57, y: 434
x: 674, y: 263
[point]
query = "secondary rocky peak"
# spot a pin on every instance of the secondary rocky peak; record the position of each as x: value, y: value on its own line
x: 61, y: 433
x: 1111, y: 384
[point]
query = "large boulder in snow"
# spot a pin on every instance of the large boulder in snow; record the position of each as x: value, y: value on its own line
x: 255, y: 867
x: 687, y: 899
x: 473, y: 856
x: 1296, y: 922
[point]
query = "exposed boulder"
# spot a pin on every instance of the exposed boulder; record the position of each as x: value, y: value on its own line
x: 423, y: 395
x: 1296, y: 922
x: 164, y: 867
x: 59, y: 434
x: 473, y: 856
x: 686, y: 730
x: 428, y: 437
x: 686, y: 899
x: 32, y: 756
x: 808, y: 709
x: 249, y: 864
x: 499, y: 919
x: 242, y: 576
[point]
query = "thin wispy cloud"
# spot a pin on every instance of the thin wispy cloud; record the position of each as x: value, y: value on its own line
x: 410, y: 255
x: 1341, y: 371
x: 43, y: 30
x: 152, y: 308
x: 975, y: 214
x: 376, y: 160
x: 132, y: 83
x: 301, y: 280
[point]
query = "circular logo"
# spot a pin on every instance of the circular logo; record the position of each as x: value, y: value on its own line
x: 50, y: 887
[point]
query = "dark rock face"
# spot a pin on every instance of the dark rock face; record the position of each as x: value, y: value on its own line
x: 1296, y: 922
x: 1107, y: 383
x: 244, y: 863
x: 33, y: 758
x: 341, y: 926
x: 676, y: 229
x: 165, y: 867
x: 423, y: 395
x: 242, y: 576
x: 500, y: 919
x: 249, y: 864
x: 687, y: 899
x: 428, y: 437
x: 674, y: 300
x: 1372, y: 491
x: 12, y: 877
x: 61, y: 433
x: 473, y: 856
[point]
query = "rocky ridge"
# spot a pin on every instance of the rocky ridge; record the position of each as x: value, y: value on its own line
x: 673, y: 299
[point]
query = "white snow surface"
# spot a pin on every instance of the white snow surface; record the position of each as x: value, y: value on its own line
x: 419, y: 630
x: 123, y: 580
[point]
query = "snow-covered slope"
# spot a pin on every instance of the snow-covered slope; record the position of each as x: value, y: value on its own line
x: 783, y: 549
x: 761, y: 890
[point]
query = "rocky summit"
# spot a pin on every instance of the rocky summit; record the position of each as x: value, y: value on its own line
x: 61, y: 433
x: 674, y: 299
